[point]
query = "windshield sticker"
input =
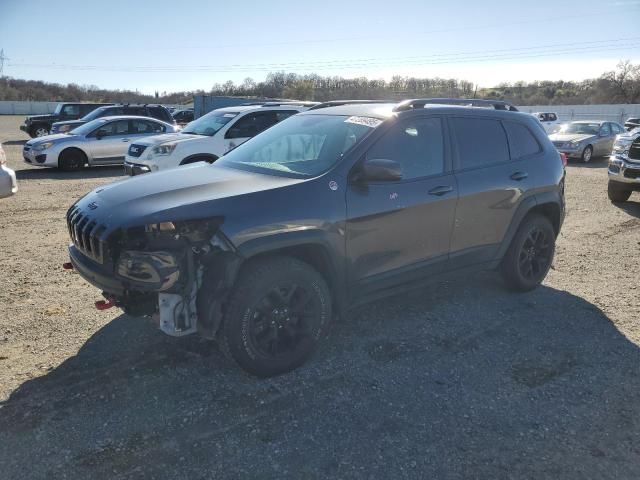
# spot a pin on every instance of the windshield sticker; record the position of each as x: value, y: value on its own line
x: 366, y: 121
x: 229, y: 115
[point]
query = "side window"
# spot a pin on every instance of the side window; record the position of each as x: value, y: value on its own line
x: 480, y: 142
x: 605, y: 130
x: 87, y: 108
x: 616, y: 128
x: 139, y: 111
x: 111, y: 129
x: 139, y: 127
x: 521, y: 141
x: 416, y: 144
x: 552, y: 117
x: 107, y: 112
x: 282, y: 114
x: 160, y: 113
x: 71, y: 110
x: 251, y: 124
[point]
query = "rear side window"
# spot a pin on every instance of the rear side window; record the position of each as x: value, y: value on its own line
x: 146, y: 126
x: 522, y: 143
x: 480, y: 142
x: 551, y: 117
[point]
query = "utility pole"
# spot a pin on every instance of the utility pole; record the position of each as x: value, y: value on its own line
x: 2, y: 59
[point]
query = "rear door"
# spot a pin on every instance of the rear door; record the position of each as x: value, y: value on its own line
x: 491, y: 183
x: 110, y: 148
x: 401, y: 230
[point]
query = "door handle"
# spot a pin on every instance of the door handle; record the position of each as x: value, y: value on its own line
x: 126, y: 139
x: 519, y: 176
x: 441, y: 190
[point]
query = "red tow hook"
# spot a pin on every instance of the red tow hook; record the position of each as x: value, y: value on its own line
x: 105, y: 304
x: 67, y: 266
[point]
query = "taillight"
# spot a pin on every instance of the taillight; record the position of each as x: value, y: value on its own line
x: 563, y: 157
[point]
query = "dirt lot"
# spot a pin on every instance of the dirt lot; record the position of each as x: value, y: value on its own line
x: 460, y: 380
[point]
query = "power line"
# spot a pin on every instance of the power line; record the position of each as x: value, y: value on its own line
x: 433, y: 59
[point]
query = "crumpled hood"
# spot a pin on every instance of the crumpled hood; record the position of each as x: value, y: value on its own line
x: 570, y: 137
x: 166, y: 137
x: 58, y: 137
x: 185, y: 193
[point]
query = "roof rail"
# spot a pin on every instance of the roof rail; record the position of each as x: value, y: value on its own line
x: 338, y: 103
x: 289, y: 102
x: 465, y: 102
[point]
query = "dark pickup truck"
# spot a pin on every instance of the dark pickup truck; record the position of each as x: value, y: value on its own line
x: 40, y: 125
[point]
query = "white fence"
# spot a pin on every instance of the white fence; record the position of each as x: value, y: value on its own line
x: 614, y: 113
x: 27, y: 108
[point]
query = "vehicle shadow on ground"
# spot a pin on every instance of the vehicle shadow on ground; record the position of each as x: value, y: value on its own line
x: 595, y: 162
x: 458, y: 380
x: 15, y: 142
x: 631, y: 207
x: 57, y: 174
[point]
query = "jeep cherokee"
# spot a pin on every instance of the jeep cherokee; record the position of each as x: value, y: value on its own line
x: 329, y: 208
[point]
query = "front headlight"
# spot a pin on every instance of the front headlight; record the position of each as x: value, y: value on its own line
x: 157, y: 271
x: 64, y: 128
x: 43, y: 146
x: 164, y: 149
x: 574, y: 144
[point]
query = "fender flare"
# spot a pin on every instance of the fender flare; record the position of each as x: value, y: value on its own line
x: 209, y: 157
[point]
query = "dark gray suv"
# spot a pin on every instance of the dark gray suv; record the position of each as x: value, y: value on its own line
x: 331, y: 207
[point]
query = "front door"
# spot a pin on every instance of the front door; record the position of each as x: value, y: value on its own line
x: 109, y: 143
x: 400, y: 230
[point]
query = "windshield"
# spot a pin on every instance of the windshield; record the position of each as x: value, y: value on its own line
x: 87, y: 127
x: 586, y: 128
x: 300, y: 146
x: 210, y: 123
x: 93, y: 115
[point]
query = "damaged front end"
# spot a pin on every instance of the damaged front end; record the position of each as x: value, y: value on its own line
x: 177, y: 272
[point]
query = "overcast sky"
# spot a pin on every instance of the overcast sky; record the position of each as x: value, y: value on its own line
x: 170, y: 45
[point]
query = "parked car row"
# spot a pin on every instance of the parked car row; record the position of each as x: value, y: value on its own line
x: 69, y: 115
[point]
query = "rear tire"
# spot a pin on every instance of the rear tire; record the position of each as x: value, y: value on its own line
x: 587, y: 154
x: 617, y: 194
x: 71, y: 160
x: 530, y: 254
x: 275, y: 317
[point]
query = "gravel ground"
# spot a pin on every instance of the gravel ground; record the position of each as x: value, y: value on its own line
x: 459, y: 380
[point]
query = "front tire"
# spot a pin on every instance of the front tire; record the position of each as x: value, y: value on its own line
x: 38, y: 131
x: 617, y: 194
x: 530, y: 254
x: 71, y: 160
x: 587, y: 154
x: 276, y: 315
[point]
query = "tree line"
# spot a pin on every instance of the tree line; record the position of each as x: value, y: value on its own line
x: 621, y: 85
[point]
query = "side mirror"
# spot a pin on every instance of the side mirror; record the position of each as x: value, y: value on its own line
x: 101, y: 133
x: 378, y: 170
